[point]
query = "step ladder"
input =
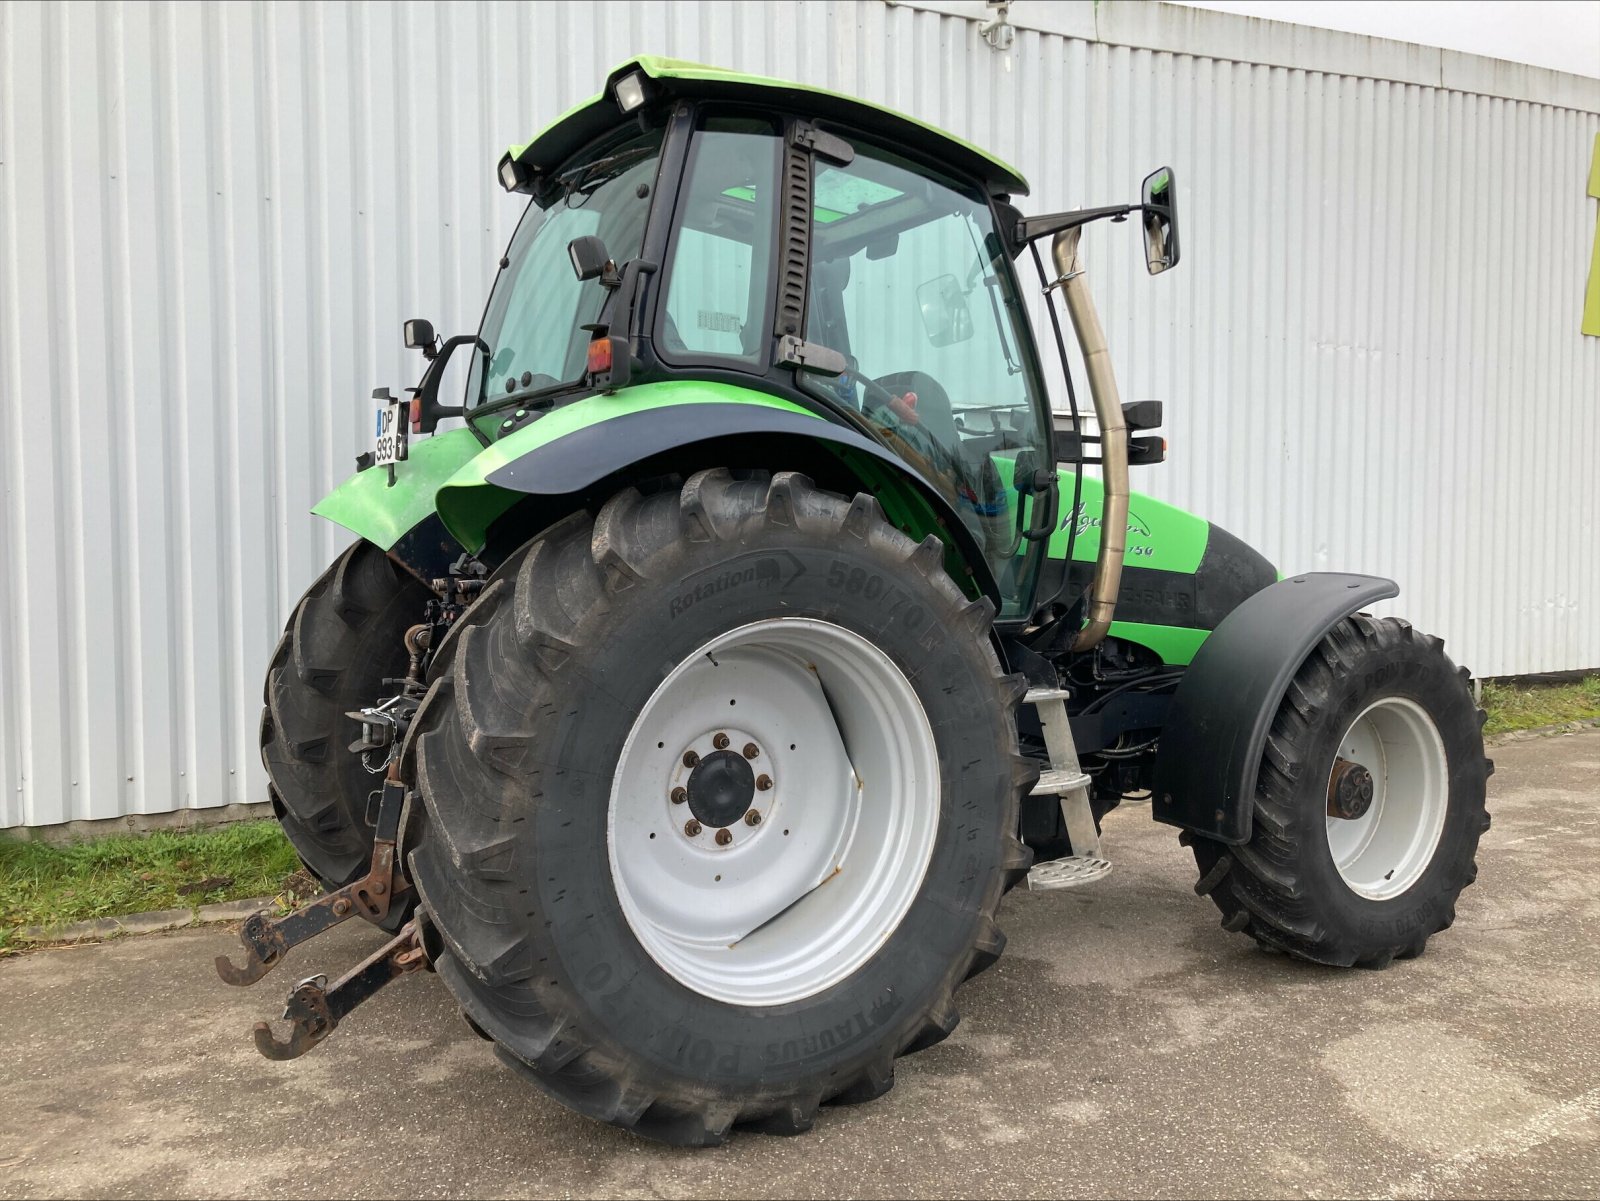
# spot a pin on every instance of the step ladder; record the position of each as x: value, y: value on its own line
x: 1064, y: 778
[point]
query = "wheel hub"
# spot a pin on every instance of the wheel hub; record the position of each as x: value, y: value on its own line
x: 1388, y: 794
x: 721, y: 788
x: 1349, y: 790
x: 773, y: 811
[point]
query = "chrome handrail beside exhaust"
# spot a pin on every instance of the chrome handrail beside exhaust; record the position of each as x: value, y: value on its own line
x: 1107, y: 581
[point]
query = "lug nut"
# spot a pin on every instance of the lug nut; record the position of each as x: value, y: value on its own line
x: 763, y: 782
x: 680, y: 795
x: 691, y: 828
x: 690, y: 758
x: 720, y: 742
x: 752, y: 818
x: 751, y: 750
x: 724, y: 837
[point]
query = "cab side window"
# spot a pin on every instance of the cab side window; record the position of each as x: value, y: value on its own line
x: 719, y: 268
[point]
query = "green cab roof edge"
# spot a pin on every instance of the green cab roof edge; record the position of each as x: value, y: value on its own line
x: 674, y: 78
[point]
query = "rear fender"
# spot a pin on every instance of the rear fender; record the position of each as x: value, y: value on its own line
x: 400, y: 518
x: 1216, y: 728
x: 574, y: 454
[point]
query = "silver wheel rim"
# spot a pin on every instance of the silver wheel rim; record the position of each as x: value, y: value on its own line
x: 779, y: 909
x: 1384, y: 852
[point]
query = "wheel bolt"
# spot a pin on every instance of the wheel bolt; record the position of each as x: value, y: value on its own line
x: 680, y: 795
x: 690, y: 758
x: 751, y: 750
x: 752, y: 818
x: 724, y: 837
x: 720, y: 742
x: 763, y: 782
x: 691, y: 828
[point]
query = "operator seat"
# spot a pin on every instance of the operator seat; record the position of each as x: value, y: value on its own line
x: 934, y: 411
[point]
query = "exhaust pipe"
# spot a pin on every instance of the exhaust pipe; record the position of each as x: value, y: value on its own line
x: 1113, y: 438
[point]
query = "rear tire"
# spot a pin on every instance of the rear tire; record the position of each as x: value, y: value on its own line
x: 1360, y: 891
x: 523, y: 757
x: 343, y: 640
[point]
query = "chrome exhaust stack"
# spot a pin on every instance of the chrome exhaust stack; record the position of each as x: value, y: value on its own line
x: 1074, y: 283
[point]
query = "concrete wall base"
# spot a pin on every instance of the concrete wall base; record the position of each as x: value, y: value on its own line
x: 141, y: 823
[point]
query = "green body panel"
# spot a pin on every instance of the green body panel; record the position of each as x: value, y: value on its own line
x: 1175, y: 644
x: 782, y: 92
x: 1160, y: 536
x: 368, y: 506
x: 468, y: 503
x: 448, y: 474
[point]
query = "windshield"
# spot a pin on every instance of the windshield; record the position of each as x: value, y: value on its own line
x: 911, y: 283
x: 533, y: 325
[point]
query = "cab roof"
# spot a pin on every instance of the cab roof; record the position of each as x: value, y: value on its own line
x: 673, y: 78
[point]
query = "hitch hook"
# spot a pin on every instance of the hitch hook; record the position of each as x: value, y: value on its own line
x: 267, y: 939
x: 315, y: 1008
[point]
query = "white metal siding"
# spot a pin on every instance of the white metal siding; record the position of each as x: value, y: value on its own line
x: 213, y: 219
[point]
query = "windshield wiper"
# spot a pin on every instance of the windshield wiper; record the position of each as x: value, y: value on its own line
x: 586, y: 179
x: 543, y: 396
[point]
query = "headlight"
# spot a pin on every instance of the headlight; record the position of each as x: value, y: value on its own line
x: 630, y: 92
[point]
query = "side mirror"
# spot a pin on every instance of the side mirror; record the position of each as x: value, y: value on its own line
x: 419, y: 336
x: 945, y: 316
x: 591, y: 260
x: 1160, y: 203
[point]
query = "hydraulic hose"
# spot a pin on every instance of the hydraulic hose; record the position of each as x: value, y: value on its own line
x: 1102, y: 603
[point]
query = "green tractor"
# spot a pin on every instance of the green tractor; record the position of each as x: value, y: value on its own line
x: 691, y: 704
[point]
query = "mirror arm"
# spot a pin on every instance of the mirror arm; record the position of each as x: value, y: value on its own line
x: 427, y: 389
x: 1030, y: 229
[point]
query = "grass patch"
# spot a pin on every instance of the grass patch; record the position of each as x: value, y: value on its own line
x: 1513, y: 708
x: 43, y: 885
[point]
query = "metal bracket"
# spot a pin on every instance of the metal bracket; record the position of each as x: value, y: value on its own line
x: 820, y: 142
x: 995, y: 30
x: 266, y: 939
x: 315, y: 1009
x: 810, y: 356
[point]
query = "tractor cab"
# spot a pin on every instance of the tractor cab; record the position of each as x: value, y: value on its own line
x: 711, y: 232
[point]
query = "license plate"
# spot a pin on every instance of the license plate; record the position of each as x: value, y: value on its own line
x: 393, y: 428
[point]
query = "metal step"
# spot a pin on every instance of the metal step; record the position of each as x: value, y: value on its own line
x: 1059, y: 780
x: 1035, y: 696
x: 1065, y: 778
x: 1074, y: 871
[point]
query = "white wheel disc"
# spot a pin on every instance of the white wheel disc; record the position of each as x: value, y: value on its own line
x: 774, y: 811
x: 1384, y: 852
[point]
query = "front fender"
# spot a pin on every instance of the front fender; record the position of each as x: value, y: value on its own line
x: 1216, y: 727
x: 581, y: 444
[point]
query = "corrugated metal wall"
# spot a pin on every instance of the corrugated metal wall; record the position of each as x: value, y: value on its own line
x: 213, y: 219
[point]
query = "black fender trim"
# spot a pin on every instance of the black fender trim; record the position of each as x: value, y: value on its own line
x: 1216, y: 729
x: 577, y: 461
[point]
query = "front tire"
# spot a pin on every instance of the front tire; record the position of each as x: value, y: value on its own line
x: 580, y: 924
x: 1369, y: 804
